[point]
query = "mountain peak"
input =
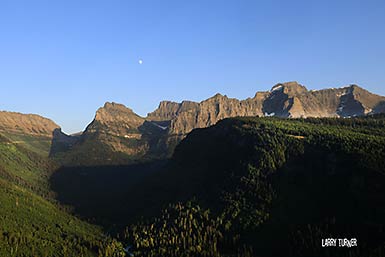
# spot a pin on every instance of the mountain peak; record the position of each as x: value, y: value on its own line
x: 291, y: 87
x: 114, y: 111
x: 216, y: 97
x: 115, y: 106
x: 354, y: 87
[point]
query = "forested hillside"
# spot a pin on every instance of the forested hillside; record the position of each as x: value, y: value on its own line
x: 246, y: 187
x: 267, y: 187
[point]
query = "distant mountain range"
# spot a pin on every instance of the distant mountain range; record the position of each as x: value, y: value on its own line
x: 117, y: 129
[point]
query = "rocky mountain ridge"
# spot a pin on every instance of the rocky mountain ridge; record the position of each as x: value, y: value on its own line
x: 289, y: 100
x: 119, y: 129
x: 118, y: 135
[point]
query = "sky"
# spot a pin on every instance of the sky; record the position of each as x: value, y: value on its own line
x: 65, y: 59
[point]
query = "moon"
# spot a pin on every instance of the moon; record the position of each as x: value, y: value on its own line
x: 140, y: 61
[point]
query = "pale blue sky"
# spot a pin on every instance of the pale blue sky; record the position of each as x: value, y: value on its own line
x: 64, y: 59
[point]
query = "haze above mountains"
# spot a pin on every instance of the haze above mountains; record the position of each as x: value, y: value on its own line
x: 117, y: 129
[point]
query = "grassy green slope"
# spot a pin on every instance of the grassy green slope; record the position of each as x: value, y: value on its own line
x: 24, y: 167
x: 38, y: 144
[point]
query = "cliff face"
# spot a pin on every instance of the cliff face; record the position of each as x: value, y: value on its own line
x: 118, y: 129
x: 30, y: 124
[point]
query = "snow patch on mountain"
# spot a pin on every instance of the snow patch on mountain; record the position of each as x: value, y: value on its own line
x: 269, y: 114
x: 159, y: 126
x: 276, y: 88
